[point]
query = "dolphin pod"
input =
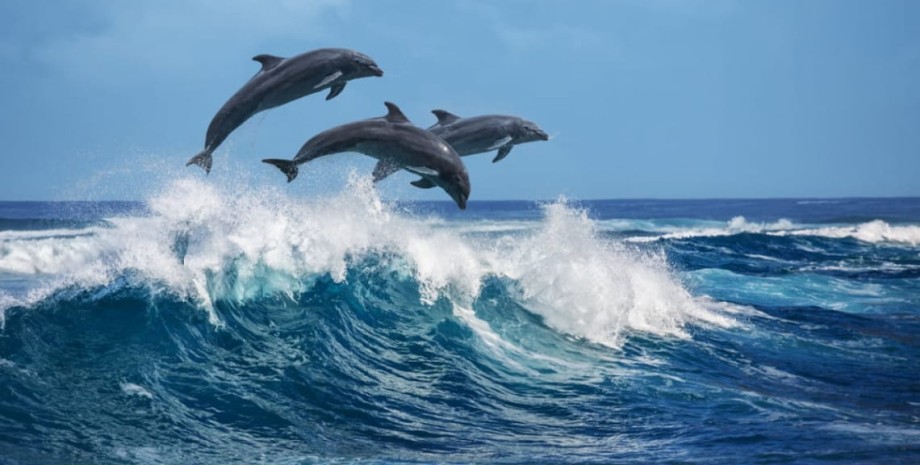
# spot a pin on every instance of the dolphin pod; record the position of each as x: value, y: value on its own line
x: 396, y: 142
x: 478, y: 134
x: 282, y: 80
x: 434, y: 154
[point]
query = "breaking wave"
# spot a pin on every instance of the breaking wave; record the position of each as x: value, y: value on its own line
x: 205, y: 244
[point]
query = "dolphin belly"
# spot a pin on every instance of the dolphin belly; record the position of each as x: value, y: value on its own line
x: 290, y: 92
x: 477, y: 142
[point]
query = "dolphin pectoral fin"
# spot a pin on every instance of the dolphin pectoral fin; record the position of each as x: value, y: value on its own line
x: 423, y: 183
x: 394, y: 114
x: 288, y: 167
x: 422, y: 170
x: 203, y: 159
x: 268, y: 61
x: 499, y: 143
x: 326, y: 80
x: 336, y: 89
x: 502, y: 153
x: 384, y: 169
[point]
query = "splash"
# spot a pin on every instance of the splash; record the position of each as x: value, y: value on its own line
x: 596, y: 289
x: 205, y: 243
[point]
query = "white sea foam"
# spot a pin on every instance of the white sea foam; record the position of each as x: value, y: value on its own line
x: 817, y: 202
x: 5, y: 303
x: 204, y: 243
x: 45, y: 233
x: 488, y: 227
x: 48, y: 256
x: 597, y: 289
x: 876, y: 231
x: 132, y: 389
x: 736, y: 225
x: 873, y: 231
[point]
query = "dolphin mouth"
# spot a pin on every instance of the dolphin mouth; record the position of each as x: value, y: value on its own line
x: 543, y: 135
x: 458, y: 198
x: 376, y: 71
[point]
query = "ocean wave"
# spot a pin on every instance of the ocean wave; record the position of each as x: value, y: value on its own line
x: 737, y: 225
x: 873, y: 231
x: 876, y: 231
x: 44, y: 233
x: 818, y: 202
x: 207, y: 244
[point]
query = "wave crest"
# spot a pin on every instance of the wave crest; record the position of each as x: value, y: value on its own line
x: 876, y: 231
x: 598, y: 289
x: 204, y: 243
x: 873, y: 231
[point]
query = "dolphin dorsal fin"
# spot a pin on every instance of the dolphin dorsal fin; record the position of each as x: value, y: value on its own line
x: 394, y: 114
x: 268, y: 61
x: 445, y: 117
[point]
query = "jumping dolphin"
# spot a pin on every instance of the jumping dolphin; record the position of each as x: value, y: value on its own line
x: 282, y: 80
x: 397, y: 143
x: 478, y: 134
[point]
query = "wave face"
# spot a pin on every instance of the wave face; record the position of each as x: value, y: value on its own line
x: 209, y: 325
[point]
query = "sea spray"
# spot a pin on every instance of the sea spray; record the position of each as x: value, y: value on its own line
x: 208, y: 243
x: 598, y: 289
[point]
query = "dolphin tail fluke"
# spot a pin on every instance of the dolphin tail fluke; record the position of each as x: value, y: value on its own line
x: 203, y: 159
x: 287, y: 167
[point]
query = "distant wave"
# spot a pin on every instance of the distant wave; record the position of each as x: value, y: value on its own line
x: 737, y: 225
x: 872, y: 231
x: 818, y: 202
x: 45, y: 234
x: 876, y: 231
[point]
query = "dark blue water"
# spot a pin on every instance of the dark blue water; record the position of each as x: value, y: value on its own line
x: 207, y: 326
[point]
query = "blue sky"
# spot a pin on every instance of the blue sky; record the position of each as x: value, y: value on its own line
x: 107, y: 99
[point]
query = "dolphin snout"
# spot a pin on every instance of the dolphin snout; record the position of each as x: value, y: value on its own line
x: 375, y: 70
x: 459, y: 198
x: 542, y: 135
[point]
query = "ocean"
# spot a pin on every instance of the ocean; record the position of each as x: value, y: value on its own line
x: 208, y: 325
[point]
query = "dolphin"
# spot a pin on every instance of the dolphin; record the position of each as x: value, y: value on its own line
x: 282, y: 80
x: 398, y: 144
x: 478, y: 134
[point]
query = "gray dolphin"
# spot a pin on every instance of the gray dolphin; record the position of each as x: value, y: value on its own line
x: 397, y: 143
x: 478, y: 134
x: 282, y: 80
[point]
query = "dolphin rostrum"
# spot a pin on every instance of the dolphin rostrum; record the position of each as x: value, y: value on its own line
x: 282, y: 80
x: 398, y: 144
x: 478, y: 134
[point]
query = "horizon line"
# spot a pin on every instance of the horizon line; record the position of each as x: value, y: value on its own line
x: 906, y: 197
